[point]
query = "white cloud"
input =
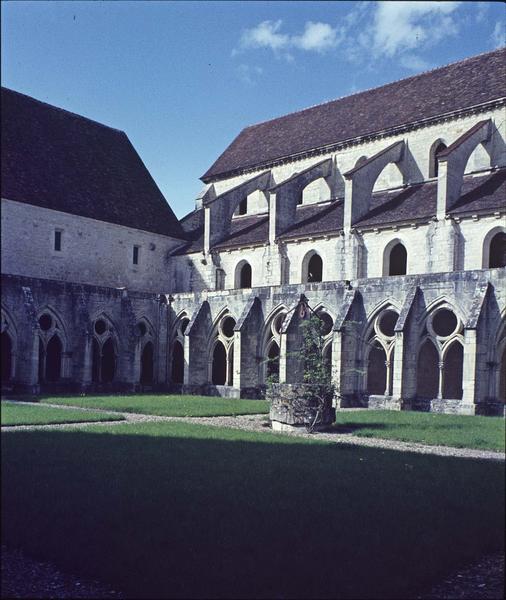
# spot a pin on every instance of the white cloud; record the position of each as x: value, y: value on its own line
x: 249, y: 74
x: 316, y: 37
x: 499, y: 34
x: 401, y: 26
x: 265, y: 35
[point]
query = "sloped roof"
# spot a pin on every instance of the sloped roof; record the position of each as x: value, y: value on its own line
x: 59, y: 160
x: 481, y: 194
x: 461, y: 85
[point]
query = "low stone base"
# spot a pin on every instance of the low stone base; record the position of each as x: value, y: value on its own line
x: 385, y: 403
x: 293, y: 405
x: 278, y: 426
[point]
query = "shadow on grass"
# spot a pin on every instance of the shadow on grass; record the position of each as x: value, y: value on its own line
x: 352, y: 427
x: 178, y: 510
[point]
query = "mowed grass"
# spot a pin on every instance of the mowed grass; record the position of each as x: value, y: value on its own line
x: 36, y: 414
x: 171, y: 406
x: 176, y: 510
x: 460, y: 431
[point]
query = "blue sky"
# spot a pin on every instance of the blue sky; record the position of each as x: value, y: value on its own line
x: 183, y: 78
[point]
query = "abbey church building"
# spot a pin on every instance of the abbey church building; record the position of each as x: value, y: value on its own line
x: 383, y: 211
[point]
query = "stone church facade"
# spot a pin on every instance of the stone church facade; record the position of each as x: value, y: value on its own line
x: 383, y: 211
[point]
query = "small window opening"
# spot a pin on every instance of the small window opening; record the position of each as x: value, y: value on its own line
x: 243, y: 207
x: 135, y: 255
x: 245, y: 279
x: 315, y: 269
x: 435, y: 165
x: 498, y: 251
x: 57, y: 240
x: 398, y: 260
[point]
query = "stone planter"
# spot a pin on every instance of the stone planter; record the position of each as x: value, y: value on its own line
x: 295, y: 405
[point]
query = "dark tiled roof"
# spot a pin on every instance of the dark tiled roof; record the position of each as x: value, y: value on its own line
x: 454, y: 87
x: 62, y: 161
x: 247, y: 230
x: 312, y: 219
x: 480, y: 194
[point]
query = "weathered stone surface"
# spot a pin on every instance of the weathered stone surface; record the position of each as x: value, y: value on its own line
x: 297, y: 405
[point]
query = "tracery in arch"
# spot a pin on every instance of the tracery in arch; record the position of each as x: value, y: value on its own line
x: 51, y: 342
x: 104, y: 350
x: 221, y: 351
x: 379, y: 353
x: 177, y: 347
x: 441, y: 355
x: 271, y: 344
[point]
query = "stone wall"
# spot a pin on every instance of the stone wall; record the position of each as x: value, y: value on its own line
x: 92, y: 252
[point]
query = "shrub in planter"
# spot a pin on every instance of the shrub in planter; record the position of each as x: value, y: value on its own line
x: 308, y: 403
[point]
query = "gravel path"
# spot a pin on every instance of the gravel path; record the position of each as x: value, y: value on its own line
x: 258, y: 423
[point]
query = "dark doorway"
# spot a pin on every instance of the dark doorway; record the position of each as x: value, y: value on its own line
x: 219, y: 375
x: 6, y: 357
x: 108, y: 362
x: 53, y: 359
x: 498, y: 251
x: 147, y: 364
x: 377, y: 371
x: 398, y: 260
x: 273, y: 362
x: 427, y: 379
x: 245, y: 277
x: 42, y: 361
x: 315, y: 269
x: 95, y: 365
x: 452, y: 380
x: 327, y: 359
x: 177, y: 363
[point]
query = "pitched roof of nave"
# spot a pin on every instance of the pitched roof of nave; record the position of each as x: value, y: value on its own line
x: 481, y: 194
x: 62, y: 161
x: 451, y: 88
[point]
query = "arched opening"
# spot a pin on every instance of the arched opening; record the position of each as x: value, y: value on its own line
x: 377, y: 370
x: 42, y: 361
x: 147, y: 364
x: 245, y: 276
x: 497, y: 251
x: 230, y: 366
x: 397, y: 260
x: 53, y: 359
x: 502, y: 376
x: 95, y: 361
x: 177, y: 363
x: 108, y: 361
x: 436, y: 149
x: 452, y: 374
x: 327, y: 358
x: 219, y: 371
x: 314, y: 269
x: 6, y: 356
x: 273, y: 362
x: 427, y: 376
x: 242, y: 209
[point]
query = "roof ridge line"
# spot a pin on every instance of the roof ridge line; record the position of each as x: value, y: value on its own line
x: 65, y: 110
x: 384, y: 85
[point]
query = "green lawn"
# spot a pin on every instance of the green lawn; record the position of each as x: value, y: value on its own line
x: 171, y: 406
x: 36, y: 414
x: 484, y: 433
x: 186, y: 511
